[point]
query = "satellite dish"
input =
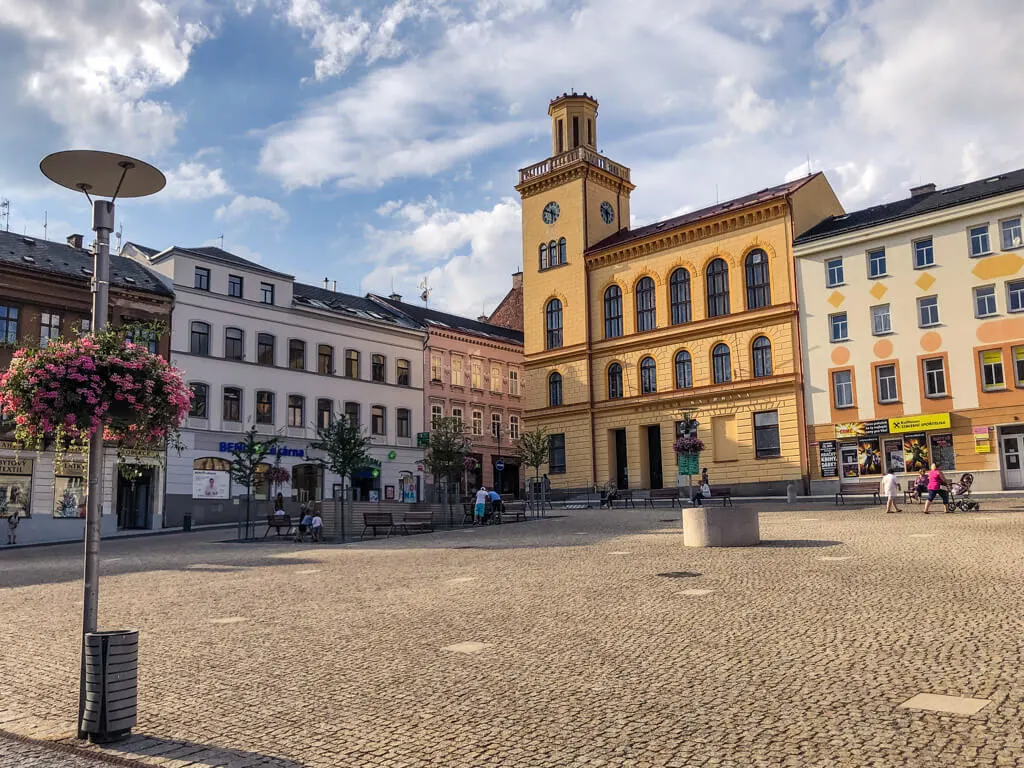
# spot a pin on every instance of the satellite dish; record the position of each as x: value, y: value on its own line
x: 425, y: 295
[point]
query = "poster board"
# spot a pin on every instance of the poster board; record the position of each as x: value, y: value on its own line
x: 210, y: 484
x: 828, y: 458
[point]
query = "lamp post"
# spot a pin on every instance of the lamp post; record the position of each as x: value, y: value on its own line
x: 103, y: 174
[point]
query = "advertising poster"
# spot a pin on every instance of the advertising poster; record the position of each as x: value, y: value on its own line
x: 915, y: 452
x: 15, y: 486
x: 828, y: 458
x: 210, y: 484
x: 70, y: 496
x: 868, y: 457
x: 389, y: 493
x: 849, y: 460
x: 942, y: 452
x: 894, y: 456
x: 981, y: 441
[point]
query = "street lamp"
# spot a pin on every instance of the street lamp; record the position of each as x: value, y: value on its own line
x: 103, y: 174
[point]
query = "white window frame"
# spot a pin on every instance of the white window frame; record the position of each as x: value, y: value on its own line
x: 1015, y: 287
x: 1017, y: 355
x: 932, y: 309
x: 476, y: 374
x: 478, y: 423
x: 930, y: 374
x: 513, y: 427
x: 457, y: 414
x: 457, y: 371
x: 990, y: 300
x: 871, y: 261
x: 887, y: 382
x: 1011, y: 227
x: 985, y: 367
x: 979, y: 232
x: 841, y: 270
x: 875, y: 330
x: 927, y: 245
x: 496, y: 382
x: 436, y: 412
x: 513, y: 381
x: 845, y: 387
x: 832, y: 319
x: 495, y: 425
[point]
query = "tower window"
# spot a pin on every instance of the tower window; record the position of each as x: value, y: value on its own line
x: 560, y: 138
x: 718, y: 288
x: 645, y: 311
x: 758, y: 287
x: 575, y: 132
x: 543, y: 256
x: 613, y: 312
x: 590, y: 132
x: 553, y: 323
x: 679, y: 290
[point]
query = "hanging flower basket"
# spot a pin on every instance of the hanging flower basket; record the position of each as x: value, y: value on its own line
x: 469, y: 464
x: 688, y: 445
x: 278, y: 475
x: 66, y: 391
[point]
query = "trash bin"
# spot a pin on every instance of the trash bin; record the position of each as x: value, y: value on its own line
x: 111, y: 685
x: 186, y: 523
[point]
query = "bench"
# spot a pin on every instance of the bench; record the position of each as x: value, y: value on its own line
x: 418, y: 518
x: 626, y: 497
x: 375, y: 520
x: 515, y: 510
x: 723, y: 493
x: 278, y: 522
x: 862, y: 488
x: 657, y: 494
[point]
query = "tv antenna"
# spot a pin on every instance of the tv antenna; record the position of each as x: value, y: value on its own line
x: 46, y: 226
x: 120, y: 237
x: 221, y: 238
x: 427, y: 290
x: 5, y: 214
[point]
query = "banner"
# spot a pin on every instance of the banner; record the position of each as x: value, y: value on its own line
x: 915, y: 452
x: 828, y: 458
x: 917, y: 423
x: 981, y: 441
x: 863, y: 428
x: 210, y: 484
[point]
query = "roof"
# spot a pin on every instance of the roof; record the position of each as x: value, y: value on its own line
x: 909, y: 207
x: 209, y: 253
x: 433, y: 318
x: 349, y: 305
x: 509, y: 312
x: 149, y: 253
x: 624, y: 236
x: 36, y: 255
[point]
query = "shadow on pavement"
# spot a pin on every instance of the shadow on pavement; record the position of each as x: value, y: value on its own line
x: 141, y: 749
x: 798, y: 543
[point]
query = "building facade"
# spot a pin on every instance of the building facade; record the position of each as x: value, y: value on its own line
x: 45, y: 294
x: 259, y: 348
x: 472, y: 370
x: 913, y: 336
x: 628, y: 331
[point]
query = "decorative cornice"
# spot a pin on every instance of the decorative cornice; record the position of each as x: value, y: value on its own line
x: 544, y: 180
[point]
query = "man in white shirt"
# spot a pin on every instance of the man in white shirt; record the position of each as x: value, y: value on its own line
x: 480, y: 510
x: 889, y: 489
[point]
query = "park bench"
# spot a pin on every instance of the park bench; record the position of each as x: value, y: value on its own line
x: 417, y: 518
x: 723, y: 493
x: 626, y: 497
x: 657, y: 494
x: 862, y: 488
x: 514, y: 510
x: 375, y: 520
x: 278, y: 522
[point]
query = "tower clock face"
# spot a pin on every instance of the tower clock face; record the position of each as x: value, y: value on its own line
x: 551, y: 212
x: 607, y: 212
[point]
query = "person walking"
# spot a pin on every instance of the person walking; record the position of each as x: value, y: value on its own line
x: 889, y: 489
x: 937, y: 484
x: 317, y: 524
x: 480, y: 509
x: 12, y: 527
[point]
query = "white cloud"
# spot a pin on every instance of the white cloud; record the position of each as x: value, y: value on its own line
x: 339, y: 39
x: 242, y: 207
x: 194, y: 180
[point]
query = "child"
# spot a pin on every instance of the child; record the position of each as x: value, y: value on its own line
x: 317, y: 523
x: 889, y: 489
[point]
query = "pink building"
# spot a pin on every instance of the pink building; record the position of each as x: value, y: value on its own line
x: 473, y: 370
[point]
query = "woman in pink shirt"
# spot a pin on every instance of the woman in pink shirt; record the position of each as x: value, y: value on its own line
x: 937, y: 484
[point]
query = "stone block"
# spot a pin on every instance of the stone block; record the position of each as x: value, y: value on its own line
x: 709, y: 526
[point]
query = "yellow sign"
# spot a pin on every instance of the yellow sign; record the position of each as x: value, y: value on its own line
x: 916, y: 423
x: 981, y: 442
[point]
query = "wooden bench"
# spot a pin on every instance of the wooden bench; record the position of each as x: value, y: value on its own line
x: 418, y: 518
x: 657, y: 494
x: 626, y: 497
x: 723, y: 493
x: 862, y: 488
x: 516, y: 510
x: 375, y: 520
x: 278, y: 522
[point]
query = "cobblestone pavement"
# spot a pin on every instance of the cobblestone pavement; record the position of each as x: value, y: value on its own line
x: 16, y: 755
x: 605, y: 643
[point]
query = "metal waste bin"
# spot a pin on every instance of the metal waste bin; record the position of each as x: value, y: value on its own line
x: 186, y: 522
x: 110, y: 708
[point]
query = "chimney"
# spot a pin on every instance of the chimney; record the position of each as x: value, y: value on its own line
x: 335, y: 286
x: 327, y: 284
x: 921, y: 191
x: 395, y: 297
x: 483, y: 319
x: 517, y: 280
x: 75, y: 241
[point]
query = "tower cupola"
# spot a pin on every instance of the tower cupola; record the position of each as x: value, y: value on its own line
x: 573, y: 122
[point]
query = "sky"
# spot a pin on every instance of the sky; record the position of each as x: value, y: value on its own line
x: 377, y: 143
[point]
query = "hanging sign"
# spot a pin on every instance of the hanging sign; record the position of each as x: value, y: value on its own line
x: 688, y: 463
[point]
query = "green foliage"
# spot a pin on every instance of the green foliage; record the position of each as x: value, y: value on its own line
x: 346, y: 447
x: 533, y: 448
x: 448, y: 447
x: 246, y: 459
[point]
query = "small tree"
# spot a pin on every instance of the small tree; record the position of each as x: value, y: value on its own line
x: 245, y: 466
x: 533, y: 450
x: 446, y: 451
x: 347, y: 449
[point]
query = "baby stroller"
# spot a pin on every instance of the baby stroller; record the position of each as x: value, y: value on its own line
x: 961, y: 499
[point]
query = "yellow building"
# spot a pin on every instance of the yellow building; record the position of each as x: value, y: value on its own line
x: 628, y: 330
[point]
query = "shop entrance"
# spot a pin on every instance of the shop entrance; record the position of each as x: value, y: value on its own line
x: 1012, y: 447
x: 621, y: 472
x: 507, y: 480
x: 307, y: 482
x: 366, y: 484
x: 654, y: 455
x: 133, y: 500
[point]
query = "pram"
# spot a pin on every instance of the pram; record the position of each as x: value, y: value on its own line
x: 960, y: 498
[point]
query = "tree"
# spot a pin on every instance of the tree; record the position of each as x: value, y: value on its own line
x: 347, y: 449
x: 446, y: 450
x: 246, y: 458
x: 533, y: 450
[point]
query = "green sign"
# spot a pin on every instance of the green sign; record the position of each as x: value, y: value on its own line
x: 392, y: 455
x: 375, y: 473
x: 422, y: 439
x: 688, y: 463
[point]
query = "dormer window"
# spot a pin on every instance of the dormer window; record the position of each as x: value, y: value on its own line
x: 267, y: 293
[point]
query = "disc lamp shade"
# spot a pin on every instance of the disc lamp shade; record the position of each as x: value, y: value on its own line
x: 102, y: 174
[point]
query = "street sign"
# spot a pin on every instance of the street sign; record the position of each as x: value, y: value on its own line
x: 422, y: 439
x: 499, y: 465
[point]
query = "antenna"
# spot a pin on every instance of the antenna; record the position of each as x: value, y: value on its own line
x: 808, y: 163
x: 5, y: 214
x: 221, y: 238
x: 46, y: 226
x: 425, y: 296
x: 120, y: 236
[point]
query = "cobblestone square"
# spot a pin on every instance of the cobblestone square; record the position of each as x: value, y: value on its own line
x: 531, y: 645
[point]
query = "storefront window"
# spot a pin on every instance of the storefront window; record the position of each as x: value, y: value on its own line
x: 848, y: 461
x: 307, y: 482
x: 868, y: 458
x: 915, y: 452
x: 261, y: 488
x: 942, y: 452
x: 894, y: 456
x: 15, y: 486
x: 211, y: 478
x: 70, y: 491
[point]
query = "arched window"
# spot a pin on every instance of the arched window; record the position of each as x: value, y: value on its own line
x: 684, y: 370
x: 543, y: 256
x: 645, y: 313
x: 648, y: 376
x: 762, y: 352
x: 679, y: 293
x: 614, y: 381
x: 721, y: 363
x: 555, y: 389
x: 553, y: 253
x: 554, y: 324
x: 561, y: 251
x: 613, y: 312
x: 758, y: 289
x: 718, y: 288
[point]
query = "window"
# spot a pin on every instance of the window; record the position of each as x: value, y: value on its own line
x: 351, y: 364
x: 84, y: 327
x: 1015, y: 296
x: 553, y: 323
x: 924, y: 253
x: 561, y: 251
x: 200, y: 401
x: 984, y: 300
x: 296, y: 411
x: 543, y: 256
x: 8, y: 324
x: 880, y: 321
x: 495, y: 378
x: 684, y: 370
x: 267, y: 293
x: 762, y: 354
x: 513, y: 427
x: 495, y: 425
x: 202, y: 279
x: 200, y: 340
x: 1018, y: 364
x: 436, y: 412
x: 325, y: 358
x: 555, y: 389
x: 379, y: 368
x: 613, y: 312
x: 992, y: 370
x: 1010, y: 233
x: 379, y: 420
x: 935, y: 377
x: 928, y: 311
x: 885, y: 377
x: 234, y: 344
x: 834, y: 269
x: 679, y: 295
x: 980, y: 244
x: 456, y: 371
x: 141, y: 336
x: 553, y: 254
x: 478, y: 422
x: 264, y: 407
x: 758, y: 284
x: 232, y: 404
x: 721, y: 364
x: 614, y: 381
x: 556, y: 454
x: 648, y: 376
x: 476, y: 380
x: 49, y: 329
x: 837, y: 327
x: 297, y: 354
x: 766, y: 435
x: 646, y: 318
x: 457, y: 414
x: 352, y: 413
x: 513, y: 381
x: 718, y: 288
x: 876, y: 263
x: 235, y: 286
x: 324, y: 413
x: 402, y: 373
x: 842, y: 389
x: 404, y: 422
x: 265, y: 349
x: 435, y: 366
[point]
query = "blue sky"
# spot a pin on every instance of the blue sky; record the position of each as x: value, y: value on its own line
x: 376, y: 143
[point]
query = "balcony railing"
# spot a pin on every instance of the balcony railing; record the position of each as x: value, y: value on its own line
x: 573, y: 155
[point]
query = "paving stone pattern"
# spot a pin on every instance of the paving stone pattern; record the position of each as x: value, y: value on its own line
x: 590, y: 659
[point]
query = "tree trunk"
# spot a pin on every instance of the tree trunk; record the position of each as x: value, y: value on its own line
x: 248, y: 516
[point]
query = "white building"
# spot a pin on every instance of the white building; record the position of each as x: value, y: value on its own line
x: 259, y: 348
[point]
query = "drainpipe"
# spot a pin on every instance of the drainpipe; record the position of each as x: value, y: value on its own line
x: 590, y: 357
x: 798, y: 361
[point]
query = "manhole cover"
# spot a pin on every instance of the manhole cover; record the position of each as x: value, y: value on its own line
x: 679, y: 574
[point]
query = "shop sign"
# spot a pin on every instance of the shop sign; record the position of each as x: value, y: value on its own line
x: 917, y: 423
x: 863, y: 428
x: 8, y: 445
x: 422, y: 439
x: 274, y: 450
x: 210, y: 484
x: 981, y: 441
x: 12, y: 466
x: 828, y: 458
